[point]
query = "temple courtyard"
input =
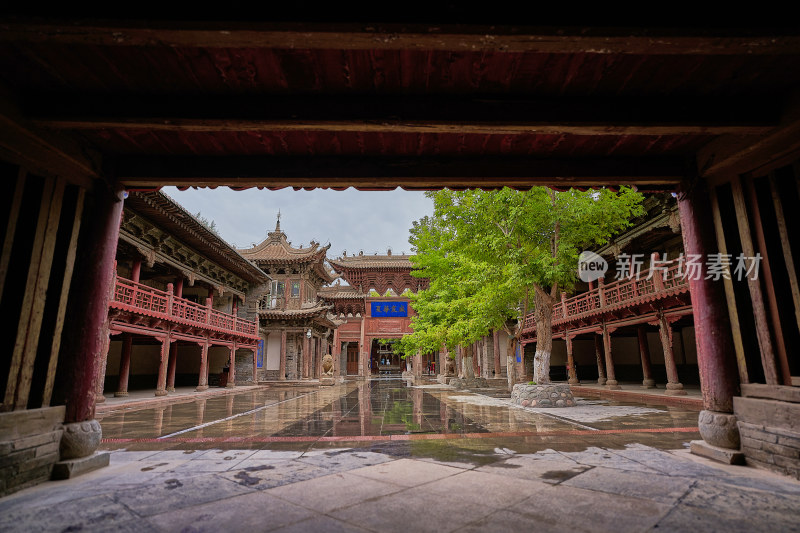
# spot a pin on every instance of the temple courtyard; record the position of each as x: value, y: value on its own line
x: 387, y: 455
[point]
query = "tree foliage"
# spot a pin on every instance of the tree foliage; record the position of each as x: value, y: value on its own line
x: 491, y: 255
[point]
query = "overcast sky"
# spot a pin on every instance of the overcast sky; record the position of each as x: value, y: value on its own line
x: 350, y: 220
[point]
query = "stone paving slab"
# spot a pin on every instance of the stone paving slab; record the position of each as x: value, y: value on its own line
x: 548, y: 491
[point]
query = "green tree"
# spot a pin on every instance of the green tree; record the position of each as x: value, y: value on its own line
x: 491, y: 256
x: 209, y: 224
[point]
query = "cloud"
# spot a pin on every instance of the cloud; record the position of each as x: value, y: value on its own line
x: 350, y: 220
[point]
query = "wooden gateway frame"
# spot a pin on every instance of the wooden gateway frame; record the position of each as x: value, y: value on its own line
x: 91, y: 107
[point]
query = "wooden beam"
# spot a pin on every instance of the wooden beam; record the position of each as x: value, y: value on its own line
x: 11, y: 226
x: 62, y: 302
x: 12, y: 398
x: 424, y: 172
x: 730, y: 297
x: 45, y: 153
x: 488, y: 115
x: 737, y: 154
x: 783, y: 232
x: 756, y: 295
x: 454, y: 38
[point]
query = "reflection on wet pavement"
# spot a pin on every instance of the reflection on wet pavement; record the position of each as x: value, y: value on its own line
x: 391, y: 416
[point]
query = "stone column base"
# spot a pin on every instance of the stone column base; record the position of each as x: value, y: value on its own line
x: 80, y: 439
x: 612, y: 384
x: 75, y: 467
x: 715, y: 453
x: 161, y: 392
x: 649, y: 384
x: 719, y: 429
x: 327, y: 380
x: 120, y: 394
x: 230, y: 385
x: 170, y: 389
x: 574, y: 381
x: 675, y: 389
x: 601, y: 381
x: 201, y: 388
x: 99, y: 398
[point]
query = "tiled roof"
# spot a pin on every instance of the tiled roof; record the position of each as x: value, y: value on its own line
x: 174, y: 218
x: 372, y: 262
x: 276, y: 249
x: 340, y: 293
x: 317, y: 310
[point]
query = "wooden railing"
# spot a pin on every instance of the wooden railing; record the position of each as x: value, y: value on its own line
x: 156, y: 302
x: 662, y: 282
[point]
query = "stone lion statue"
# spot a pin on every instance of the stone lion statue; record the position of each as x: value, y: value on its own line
x: 327, y: 365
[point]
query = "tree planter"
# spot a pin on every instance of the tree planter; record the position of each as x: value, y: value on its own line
x: 550, y: 395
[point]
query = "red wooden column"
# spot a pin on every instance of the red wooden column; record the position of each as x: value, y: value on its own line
x: 232, y: 369
x: 336, y: 352
x: 611, y: 382
x: 598, y: 352
x: 282, y: 368
x: 644, y: 352
x: 674, y: 387
x: 715, y: 355
x: 173, y: 363
x: 496, y: 343
x: 573, y: 372
x: 363, y: 351
x: 125, y: 364
x: 202, y: 382
x: 179, y: 287
x: 136, y: 270
x: 318, y: 353
x: 161, y: 386
x: 255, y: 364
x: 306, y: 355
x: 83, y: 339
x: 101, y: 369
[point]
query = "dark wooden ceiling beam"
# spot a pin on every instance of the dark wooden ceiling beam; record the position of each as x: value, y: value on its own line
x: 349, y: 36
x: 653, y: 173
x: 410, y: 114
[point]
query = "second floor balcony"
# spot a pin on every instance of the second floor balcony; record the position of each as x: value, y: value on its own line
x: 141, y: 299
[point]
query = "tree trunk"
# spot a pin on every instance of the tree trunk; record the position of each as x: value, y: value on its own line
x: 511, y: 349
x: 543, y: 315
x: 469, y: 372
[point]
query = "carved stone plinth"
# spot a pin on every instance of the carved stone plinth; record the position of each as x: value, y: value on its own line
x: 649, y: 384
x: 80, y: 439
x: 327, y: 380
x: 549, y: 395
x: 612, y: 384
x: 719, y: 429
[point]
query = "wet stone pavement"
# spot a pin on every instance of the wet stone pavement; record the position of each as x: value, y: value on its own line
x: 383, y: 455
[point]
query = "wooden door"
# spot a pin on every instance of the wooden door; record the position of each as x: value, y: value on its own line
x: 352, y: 359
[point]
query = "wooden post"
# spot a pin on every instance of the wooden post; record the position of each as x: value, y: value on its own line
x: 282, y: 367
x: 172, y: 365
x: 337, y: 354
x: 496, y: 341
x: 785, y: 375
x: 255, y: 364
x: 179, y: 287
x: 674, y: 387
x: 644, y: 352
x: 202, y: 382
x: 161, y: 385
x: 611, y: 382
x: 730, y: 296
x: 363, y: 351
x: 306, y: 355
x: 756, y: 296
x: 572, y: 377
x: 136, y: 270
x: 101, y: 369
x: 598, y: 352
x: 787, y: 249
x: 715, y: 354
x: 232, y: 368
x: 23, y: 356
x: 88, y: 305
x: 125, y: 364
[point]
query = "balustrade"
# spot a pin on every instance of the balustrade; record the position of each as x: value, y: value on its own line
x: 650, y: 284
x: 150, y: 300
